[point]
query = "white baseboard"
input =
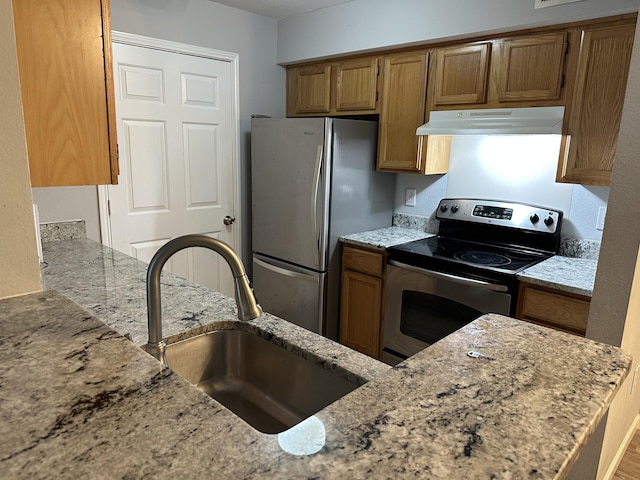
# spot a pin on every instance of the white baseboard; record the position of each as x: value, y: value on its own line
x: 615, y: 463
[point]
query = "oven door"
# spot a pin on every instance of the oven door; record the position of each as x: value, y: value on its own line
x: 423, y: 306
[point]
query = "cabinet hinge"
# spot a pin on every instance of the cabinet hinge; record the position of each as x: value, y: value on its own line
x: 566, y: 47
x: 109, y: 207
x: 562, y: 81
x: 377, y: 93
x: 378, y: 70
x: 117, y: 152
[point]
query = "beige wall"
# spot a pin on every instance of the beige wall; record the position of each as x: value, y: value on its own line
x: 20, y: 272
x: 615, y: 309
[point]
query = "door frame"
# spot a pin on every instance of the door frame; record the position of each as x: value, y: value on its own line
x: 186, y: 49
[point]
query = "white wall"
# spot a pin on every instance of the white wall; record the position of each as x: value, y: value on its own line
x: 615, y: 308
x: 526, y: 173
x: 364, y: 25
x: 18, y: 250
x: 206, y: 24
x: 69, y: 203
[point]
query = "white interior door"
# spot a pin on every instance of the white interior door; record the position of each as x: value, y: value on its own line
x: 178, y: 156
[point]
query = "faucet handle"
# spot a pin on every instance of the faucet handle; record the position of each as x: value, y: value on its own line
x: 248, y: 308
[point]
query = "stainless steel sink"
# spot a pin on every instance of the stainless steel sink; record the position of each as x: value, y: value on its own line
x: 269, y: 387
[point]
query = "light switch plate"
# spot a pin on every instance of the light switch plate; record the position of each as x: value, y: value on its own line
x: 410, y: 197
x: 602, y: 212
x: 551, y: 3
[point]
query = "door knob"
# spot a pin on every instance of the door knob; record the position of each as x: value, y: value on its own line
x: 228, y: 220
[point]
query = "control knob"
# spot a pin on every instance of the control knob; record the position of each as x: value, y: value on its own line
x: 443, y: 207
x: 548, y: 221
x: 534, y: 218
x: 454, y: 208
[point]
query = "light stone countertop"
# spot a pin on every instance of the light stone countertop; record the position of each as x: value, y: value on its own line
x: 112, y: 287
x: 79, y: 400
x: 575, y: 275
x: 384, y: 238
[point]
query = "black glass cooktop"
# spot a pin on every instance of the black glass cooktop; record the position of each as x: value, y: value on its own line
x: 429, y: 252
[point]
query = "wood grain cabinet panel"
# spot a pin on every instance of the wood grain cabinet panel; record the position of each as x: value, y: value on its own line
x: 311, y: 89
x: 553, y: 308
x: 346, y: 87
x: 588, y: 151
x: 529, y: 67
x: 402, y: 111
x: 360, y: 317
x: 65, y: 64
x: 459, y: 74
x: 363, y: 261
x: 356, y: 84
x: 361, y: 300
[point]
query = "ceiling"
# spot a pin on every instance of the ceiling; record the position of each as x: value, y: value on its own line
x: 280, y: 8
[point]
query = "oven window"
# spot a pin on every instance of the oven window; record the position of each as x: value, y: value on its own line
x: 430, y: 318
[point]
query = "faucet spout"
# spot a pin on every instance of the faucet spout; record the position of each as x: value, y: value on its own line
x: 248, y: 308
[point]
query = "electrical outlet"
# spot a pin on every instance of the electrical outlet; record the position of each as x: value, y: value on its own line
x: 602, y: 212
x: 634, y: 380
x: 410, y: 197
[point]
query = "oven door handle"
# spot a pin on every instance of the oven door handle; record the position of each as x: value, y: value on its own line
x: 451, y: 278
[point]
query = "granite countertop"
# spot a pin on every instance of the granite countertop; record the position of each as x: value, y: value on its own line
x: 112, y: 287
x: 569, y: 274
x: 80, y: 400
x: 384, y: 238
x: 575, y: 275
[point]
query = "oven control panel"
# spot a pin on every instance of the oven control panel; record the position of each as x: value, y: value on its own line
x: 509, y: 214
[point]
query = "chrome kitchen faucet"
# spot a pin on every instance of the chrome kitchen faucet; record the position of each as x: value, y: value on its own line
x: 248, y: 308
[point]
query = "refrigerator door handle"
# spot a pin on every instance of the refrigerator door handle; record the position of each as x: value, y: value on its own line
x: 314, y: 197
x: 281, y: 271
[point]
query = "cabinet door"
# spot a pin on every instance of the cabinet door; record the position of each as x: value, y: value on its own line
x: 593, y: 114
x: 552, y: 308
x: 64, y: 57
x: 402, y: 111
x: 460, y: 74
x: 529, y: 67
x: 356, y: 84
x: 360, y: 313
x: 311, y: 89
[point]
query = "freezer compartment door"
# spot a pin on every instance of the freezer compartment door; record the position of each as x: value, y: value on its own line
x: 289, y: 168
x: 290, y: 292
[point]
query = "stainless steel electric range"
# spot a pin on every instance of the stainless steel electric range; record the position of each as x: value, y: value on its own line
x: 437, y: 285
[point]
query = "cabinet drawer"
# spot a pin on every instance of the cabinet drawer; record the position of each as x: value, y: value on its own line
x: 363, y: 261
x: 554, y: 309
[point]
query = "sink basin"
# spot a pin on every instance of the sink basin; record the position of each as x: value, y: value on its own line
x: 267, y: 386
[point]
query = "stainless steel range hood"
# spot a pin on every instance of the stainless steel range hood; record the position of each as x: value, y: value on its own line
x: 501, y: 121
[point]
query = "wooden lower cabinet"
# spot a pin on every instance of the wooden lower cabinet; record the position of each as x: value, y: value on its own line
x: 553, y: 308
x: 361, y: 300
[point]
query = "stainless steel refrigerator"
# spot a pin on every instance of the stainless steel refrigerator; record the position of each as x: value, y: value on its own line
x: 313, y: 180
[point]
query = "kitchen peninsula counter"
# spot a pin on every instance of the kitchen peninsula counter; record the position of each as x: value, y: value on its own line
x: 80, y: 400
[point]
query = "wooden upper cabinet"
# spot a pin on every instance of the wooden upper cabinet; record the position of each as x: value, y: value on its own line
x: 311, y: 89
x: 528, y: 68
x: 459, y: 74
x: 402, y: 112
x: 404, y: 92
x: 592, y: 116
x: 66, y: 78
x: 356, y: 85
x: 333, y: 88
